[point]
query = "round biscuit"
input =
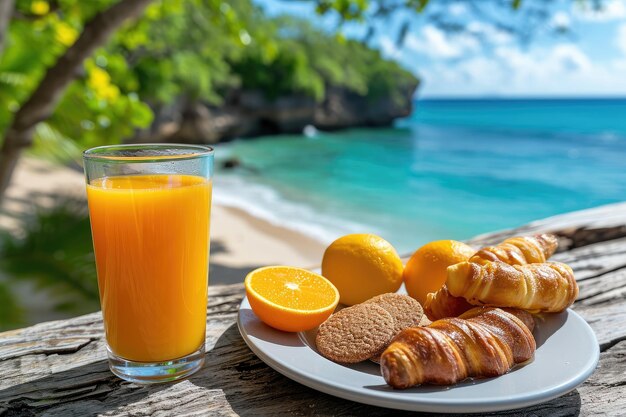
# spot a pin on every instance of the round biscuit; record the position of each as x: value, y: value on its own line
x: 355, y: 333
x: 405, y: 310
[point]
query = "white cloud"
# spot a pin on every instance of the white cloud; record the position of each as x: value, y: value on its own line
x: 620, y: 64
x: 477, y: 68
x: 561, y: 20
x: 489, y: 33
x: 620, y: 39
x: 437, y: 44
x: 463, y: 65
x: 541, y: 67
x: 569, y: 58
x: 609, y: 10
x: 457, y: 9
x: 559, y: 70
x: 389, y: 48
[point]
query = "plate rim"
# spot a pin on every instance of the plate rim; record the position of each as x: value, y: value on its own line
x: 386, y: 399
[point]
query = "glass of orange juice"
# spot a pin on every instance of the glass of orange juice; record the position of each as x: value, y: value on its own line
x: 149, y: 207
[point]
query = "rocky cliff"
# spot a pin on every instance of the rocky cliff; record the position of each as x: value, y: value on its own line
x: 249, y: 113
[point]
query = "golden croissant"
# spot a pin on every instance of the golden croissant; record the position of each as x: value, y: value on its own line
x: 519, y: 250
x: 442, y: 304
x: 546, y: 287
x: 483, y: 342
x: 513, y: 251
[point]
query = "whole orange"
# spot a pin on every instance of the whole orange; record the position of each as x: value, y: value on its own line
x: 362, y: 266
x: 426, y: 271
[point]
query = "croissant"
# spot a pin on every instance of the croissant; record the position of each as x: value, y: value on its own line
x: 545, y: 287
x: 483, y: 342
x: 519, y: 250
x: 442, y: 304
x: 513, y: 251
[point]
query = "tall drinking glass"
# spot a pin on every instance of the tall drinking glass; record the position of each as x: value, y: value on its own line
x: 149, y: 207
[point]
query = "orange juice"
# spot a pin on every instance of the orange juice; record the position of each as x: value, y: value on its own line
x: 151, y: 241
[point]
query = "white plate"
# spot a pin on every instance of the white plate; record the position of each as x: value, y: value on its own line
x: 567, y: 354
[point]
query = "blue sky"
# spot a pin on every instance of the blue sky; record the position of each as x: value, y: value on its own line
x: 588, y: 59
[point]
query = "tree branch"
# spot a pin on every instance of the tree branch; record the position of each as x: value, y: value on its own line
x: 44, y: 99
x: 6, y: 9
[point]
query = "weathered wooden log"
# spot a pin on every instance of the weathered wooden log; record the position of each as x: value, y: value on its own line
x: 59, y: 368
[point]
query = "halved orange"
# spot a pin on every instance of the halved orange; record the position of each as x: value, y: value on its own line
x: 290, y: 299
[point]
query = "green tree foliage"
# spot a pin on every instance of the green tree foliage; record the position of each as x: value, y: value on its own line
x: 94, y: 110
x: 309, y: 60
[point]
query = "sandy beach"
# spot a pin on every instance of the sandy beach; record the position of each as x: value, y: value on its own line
x: 239, y: 241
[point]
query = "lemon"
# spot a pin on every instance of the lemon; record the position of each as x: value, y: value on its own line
x: 362, y: 266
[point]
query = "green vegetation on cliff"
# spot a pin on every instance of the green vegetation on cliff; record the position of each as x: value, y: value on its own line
x: 308, y: 60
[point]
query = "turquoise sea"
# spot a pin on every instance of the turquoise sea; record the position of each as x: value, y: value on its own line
x: 453, y: 169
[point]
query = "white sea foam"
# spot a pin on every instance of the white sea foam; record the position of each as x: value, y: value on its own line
x: 267, y: 204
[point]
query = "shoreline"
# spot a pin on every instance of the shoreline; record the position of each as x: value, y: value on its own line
x: 304, y: 248
x: 37, y: 183
x: 240, y: 241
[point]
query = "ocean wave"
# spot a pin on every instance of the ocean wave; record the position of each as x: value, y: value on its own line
x: 266, y: 203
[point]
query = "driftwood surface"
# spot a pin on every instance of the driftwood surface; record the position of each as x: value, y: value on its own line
x: 59, y: 368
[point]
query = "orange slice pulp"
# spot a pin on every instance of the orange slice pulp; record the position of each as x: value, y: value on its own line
x: 290, y: 299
